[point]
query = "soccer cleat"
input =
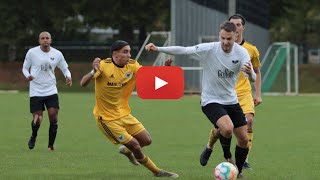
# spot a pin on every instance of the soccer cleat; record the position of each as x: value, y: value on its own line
x: 129, y: 155
x: 246, y: 165
x: 240, y: 176
x: 50, y: 148
x: 164, y: 173
x: 32, y: 142
x: 205, y: 155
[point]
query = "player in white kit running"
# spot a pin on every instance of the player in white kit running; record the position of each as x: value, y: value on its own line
x: 38, y: 68
x: 222, y: 62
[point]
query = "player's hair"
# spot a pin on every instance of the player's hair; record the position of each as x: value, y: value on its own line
x: 238, y: 16
x: 228, y: 26
x: 117, y: 45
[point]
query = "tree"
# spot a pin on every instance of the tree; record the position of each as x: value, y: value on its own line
x: 23, y: 21
x: 296, y: 21
x: 144, y: 15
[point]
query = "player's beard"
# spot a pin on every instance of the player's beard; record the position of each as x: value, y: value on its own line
x: 46, y: 45
x: 226, y: 48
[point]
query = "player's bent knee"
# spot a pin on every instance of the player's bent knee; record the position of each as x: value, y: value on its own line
x: 243, y: 142
x: 148, y: 141
x: 37, y: 119
x: 145, y: 141
x: 216, y: 132
x: 227, y: 132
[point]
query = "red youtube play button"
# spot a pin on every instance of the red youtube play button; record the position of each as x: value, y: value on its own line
x: 160, y: 82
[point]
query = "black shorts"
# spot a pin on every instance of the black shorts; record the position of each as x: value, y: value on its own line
x: 37, y: 103
x: 214, y: 111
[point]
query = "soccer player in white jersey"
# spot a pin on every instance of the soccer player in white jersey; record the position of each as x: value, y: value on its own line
x: 245, y: 96
x: 38, y: 68
x: 222, y: 62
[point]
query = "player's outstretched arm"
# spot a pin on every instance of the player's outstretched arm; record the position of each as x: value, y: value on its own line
x: 151, y: 47
x: 85, y: 80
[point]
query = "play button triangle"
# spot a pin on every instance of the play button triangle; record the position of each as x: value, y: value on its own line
x: 159, y: 83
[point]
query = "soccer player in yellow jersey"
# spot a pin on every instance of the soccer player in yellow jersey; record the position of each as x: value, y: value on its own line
x: 244, y: 93
x: 115, y: 80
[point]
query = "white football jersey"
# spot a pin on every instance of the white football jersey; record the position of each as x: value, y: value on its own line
x: 220, y: 69
x: 40, y: 65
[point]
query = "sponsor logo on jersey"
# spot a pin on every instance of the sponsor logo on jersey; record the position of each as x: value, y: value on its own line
x: 128, y: 74
x: 225, y: 73
x: 235, y: 61
x: 121, y: 138
x: 116, y: 84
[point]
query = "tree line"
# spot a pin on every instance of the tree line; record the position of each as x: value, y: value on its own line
x: 297, y: 21
x: 72, y: 20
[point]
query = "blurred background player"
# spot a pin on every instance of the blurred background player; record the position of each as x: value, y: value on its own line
x: 244, y: 93
x: 222, y: 62
x: 38, y: 68
x: 115, y: 80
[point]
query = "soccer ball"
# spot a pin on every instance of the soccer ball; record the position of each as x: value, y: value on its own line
x: 225, y: 171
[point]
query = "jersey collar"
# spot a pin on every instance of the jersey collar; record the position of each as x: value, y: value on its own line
x: 242, y: 42
x: 117, y: 64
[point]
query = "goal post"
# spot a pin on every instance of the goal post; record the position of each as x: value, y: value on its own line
x: 159, y: 38
x: 279, y: 69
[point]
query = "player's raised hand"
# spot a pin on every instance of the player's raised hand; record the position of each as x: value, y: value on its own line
x: 96, y: 64
x: 151, y: 47
x: 168, y: 62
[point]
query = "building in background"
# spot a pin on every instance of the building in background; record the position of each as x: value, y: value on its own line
x: 193, y: 19
x: 196, y: 21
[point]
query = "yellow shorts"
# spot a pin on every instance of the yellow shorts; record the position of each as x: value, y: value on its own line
x: 120, y: 131
x: 246, y: 103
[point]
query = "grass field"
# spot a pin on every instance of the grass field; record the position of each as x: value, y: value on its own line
x: 285, y: 144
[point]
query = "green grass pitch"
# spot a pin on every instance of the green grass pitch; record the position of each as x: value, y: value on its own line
x: 286, y: 134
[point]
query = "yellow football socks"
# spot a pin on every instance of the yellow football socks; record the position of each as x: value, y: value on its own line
x: 212, y: 139
x: 250, y: 138
x: 147, y: 162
